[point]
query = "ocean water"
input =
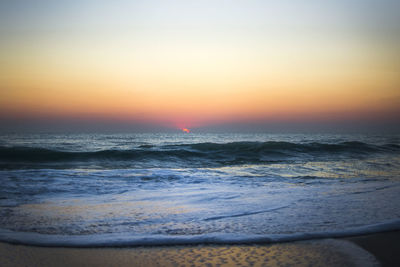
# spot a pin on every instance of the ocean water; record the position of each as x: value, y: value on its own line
x: 150, y: 189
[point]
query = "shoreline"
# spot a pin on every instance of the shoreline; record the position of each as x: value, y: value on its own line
x: 363, y: 250
x: 385, y: 246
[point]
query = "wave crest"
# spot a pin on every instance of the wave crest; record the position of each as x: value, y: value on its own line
x: 225, y: 153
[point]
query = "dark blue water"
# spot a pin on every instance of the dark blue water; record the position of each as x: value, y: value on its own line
x: 96, y: 189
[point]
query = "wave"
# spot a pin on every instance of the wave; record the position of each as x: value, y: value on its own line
x: 129, y: 239
x: 243, y: 214
x: 228, y: 153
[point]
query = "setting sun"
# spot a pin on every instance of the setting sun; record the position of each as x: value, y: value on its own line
x: 199, y: 132
x: 151, y: 65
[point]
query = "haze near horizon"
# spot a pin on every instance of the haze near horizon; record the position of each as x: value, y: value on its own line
x: 206, y: 65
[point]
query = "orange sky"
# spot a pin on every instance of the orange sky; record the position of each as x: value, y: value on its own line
x: 173, y: 66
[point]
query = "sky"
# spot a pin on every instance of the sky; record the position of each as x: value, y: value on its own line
x: 229, y: 65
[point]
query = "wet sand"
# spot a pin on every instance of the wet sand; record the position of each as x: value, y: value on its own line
x: 384, y: 246
x: 327, y: 252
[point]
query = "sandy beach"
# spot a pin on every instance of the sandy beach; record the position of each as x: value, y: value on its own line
x: 199, y: 133
x: 370, y: 250
x: 384, y: 246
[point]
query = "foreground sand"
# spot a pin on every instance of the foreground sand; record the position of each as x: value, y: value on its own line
x: 384, y: 246
x: 309, y: 253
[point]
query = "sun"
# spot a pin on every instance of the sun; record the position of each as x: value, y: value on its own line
x: 185, y: 130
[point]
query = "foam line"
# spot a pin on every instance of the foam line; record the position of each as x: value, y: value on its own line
x: 129, y: 239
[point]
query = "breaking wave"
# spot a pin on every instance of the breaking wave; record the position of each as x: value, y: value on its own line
x: 129, y: 239
x: 226, y: 153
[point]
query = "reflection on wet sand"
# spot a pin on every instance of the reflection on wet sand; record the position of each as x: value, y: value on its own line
x: 317, y: 253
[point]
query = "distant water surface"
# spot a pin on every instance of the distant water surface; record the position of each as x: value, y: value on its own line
x: 105, y: 190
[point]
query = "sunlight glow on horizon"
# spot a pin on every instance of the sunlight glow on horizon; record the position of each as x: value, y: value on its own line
x: 196, y: 63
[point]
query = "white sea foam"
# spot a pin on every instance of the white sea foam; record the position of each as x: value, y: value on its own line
x: 188, y: 189
x: 129, y: 239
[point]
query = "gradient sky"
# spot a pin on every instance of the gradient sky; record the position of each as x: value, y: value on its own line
x: 199, y: 63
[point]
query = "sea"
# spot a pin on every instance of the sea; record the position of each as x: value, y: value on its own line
x: 100, y: 190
